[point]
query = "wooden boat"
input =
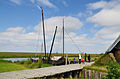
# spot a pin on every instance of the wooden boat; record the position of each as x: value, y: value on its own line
x: 48, y: 59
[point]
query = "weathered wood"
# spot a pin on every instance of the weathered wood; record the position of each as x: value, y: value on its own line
x: 89, y: 74
x: 42, y: 72
x: 100, y: 75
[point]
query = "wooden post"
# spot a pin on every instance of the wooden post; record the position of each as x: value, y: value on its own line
x: 85, y: 74
x: 61, y: 76
x: 100, y: 77
x: 89, y: 74
x: 75, y: 74
x: 66, y: 59
x: 80, y: 74
x: 96, y: 74
x: 70, y: 75
x: 93, y: 74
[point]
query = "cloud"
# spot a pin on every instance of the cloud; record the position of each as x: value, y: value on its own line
x: 17, y: 39
x: 108, y: 33
x: 108, y: 17
x: 17, y: 29
x: 38, y: 2
x: 44, y: 2
x: 18, y: 2
x: 64, y: 2
x: 79, y: 14
x: 100, y: 4
x: 71, y: 24
x: 47, y: 3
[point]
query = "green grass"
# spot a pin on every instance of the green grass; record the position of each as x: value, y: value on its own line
x: 22, y: 55
x: 104, y: 60
x: 101, y: 63
x: 46, y: 65
x: 19, y: 55
x: 7, y: 67
x: 96, y: 68
x: 5, y: 61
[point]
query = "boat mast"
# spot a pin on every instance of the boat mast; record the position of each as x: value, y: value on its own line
x: 43, y: 32
x: 53, y: 42
x: 63, y: 37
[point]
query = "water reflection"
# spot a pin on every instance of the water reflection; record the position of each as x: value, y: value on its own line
x: 18, y: 59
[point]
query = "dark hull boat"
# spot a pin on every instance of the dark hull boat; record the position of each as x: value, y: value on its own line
x: 60, y: 61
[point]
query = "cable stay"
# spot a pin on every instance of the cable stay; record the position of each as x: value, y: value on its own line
x: 73, y: 41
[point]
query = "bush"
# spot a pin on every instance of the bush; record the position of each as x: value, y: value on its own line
x: 5, y: 61
x: 28, y: 62
x: 40, y: 63
x: 113, y: 71
x: 22, y: 62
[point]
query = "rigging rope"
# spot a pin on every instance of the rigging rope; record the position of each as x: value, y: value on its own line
x: 72, y: 41
x: 59, y: 41
x: 37, y: 40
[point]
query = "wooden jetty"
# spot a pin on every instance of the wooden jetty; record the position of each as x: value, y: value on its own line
x: 43, y: 72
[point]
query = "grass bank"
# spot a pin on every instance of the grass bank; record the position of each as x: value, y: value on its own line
x: 102, y: 63
x: 23, y: 55
x: 7, y: 66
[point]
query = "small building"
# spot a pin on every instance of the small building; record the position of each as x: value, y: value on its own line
x: 115, y: 49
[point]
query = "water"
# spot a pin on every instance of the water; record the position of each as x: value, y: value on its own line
x: 17, y: 59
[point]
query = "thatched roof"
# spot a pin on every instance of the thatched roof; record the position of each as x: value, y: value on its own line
x: 114, y: 44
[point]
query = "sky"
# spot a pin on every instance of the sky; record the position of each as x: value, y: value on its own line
x: 91, y: 26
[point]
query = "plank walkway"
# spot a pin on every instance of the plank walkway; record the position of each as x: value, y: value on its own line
x: 42, y: 72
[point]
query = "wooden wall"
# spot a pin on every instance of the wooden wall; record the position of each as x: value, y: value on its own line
x: 117, y: 55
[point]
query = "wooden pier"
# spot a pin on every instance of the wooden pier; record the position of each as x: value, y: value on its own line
x: 43, y: 72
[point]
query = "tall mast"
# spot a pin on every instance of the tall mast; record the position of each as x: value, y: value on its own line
x: 43, y: 32
x: 63, y: 36
x: 53, y: 42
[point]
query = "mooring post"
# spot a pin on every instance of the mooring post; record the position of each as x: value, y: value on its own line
x: 85, y: 74
x: 66, y: 59
x: 75, y: 74
x: 96, y: 74
x: 89, y: 73
x: 100, y: 77
x: 61, y: 76
x: 93, y: 74
x: 70, y: 75
x: 80, y: 74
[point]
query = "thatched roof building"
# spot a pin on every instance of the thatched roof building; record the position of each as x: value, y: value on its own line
x: 115, y: 49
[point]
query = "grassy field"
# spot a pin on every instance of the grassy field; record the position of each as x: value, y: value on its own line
x: 19, y: 54
x: 93, y: 56
x: 7, y: 66
x: 96, y: 68
x: 102, y: 63
x: 22, y: 55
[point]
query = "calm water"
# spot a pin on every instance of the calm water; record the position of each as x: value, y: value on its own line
x: 17, y: 59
